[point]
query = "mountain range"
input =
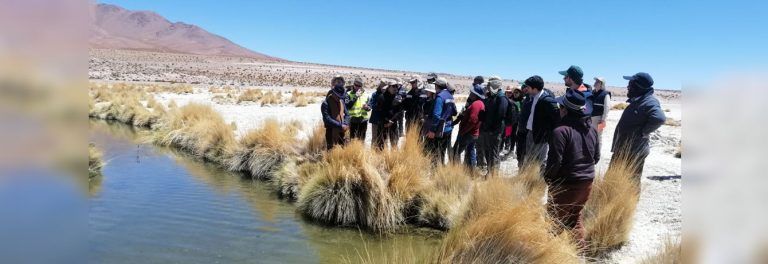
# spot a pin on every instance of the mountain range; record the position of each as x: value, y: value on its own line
x: 115, y: 27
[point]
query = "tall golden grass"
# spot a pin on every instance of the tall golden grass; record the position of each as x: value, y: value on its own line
x: 620, y: 106
x: 315, y: 143
x: 408, y: 169
x: 271, y: 98
x: 609, y: 213
x: 497, y: 227
x: 250, y: 95
x: 197, y: 129
x: 291, y: 176
x: 347, y: 190
x: 262, y: 151
x: 443, y: 199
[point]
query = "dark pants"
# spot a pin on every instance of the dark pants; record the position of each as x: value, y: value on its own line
x: 566, y: 204
x: 489, y: 142
x: 385, y: 134
x: 520, y: 147
x: 437, y: 148
x: 333, y: 137
x: 466, y: 144
x: 357, y: 130
x: 412, y: 123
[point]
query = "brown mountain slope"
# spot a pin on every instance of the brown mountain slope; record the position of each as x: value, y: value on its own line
x: 117, y: 28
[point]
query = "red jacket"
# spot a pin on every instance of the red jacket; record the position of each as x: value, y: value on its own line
x: 469, y: 121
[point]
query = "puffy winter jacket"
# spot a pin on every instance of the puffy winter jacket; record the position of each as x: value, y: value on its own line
x: 639, y: 120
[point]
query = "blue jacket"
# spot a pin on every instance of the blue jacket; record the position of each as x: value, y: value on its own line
x: 375, y: 117
x: 330, y: 112
x: 442, y: 113
x: 639, y: 120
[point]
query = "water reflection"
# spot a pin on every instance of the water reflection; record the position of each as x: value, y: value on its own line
x: 159, y: 205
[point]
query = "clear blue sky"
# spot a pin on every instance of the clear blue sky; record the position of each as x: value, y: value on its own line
x: 679, y: 43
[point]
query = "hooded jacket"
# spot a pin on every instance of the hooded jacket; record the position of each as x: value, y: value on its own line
x: 574, y: 149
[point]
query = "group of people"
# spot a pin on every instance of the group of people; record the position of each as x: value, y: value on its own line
x: 561, y: 134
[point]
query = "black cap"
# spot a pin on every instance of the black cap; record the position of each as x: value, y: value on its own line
x: 573, y: 100
x: 641, y: 78
x: 479, y: 79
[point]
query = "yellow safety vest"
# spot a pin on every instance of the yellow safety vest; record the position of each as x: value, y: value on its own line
x: 357, y: 109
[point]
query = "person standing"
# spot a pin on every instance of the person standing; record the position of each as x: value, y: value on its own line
x: 375, y: 117
x: 544, y: 116
x: 335, y: 114
x: 492, y: 127
x: 414, y: 103
x: 469, y: 128
x: 510, y: 123
x: 573, y: 152
x: 642, y: 117
x: 574, y: 80
x: 390, y: 106
x: 522, y: 132
x: 602, y: 105
x: 440, y: 123
x: 358, y: 110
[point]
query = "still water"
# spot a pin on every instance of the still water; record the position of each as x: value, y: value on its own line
x: 155, y: 205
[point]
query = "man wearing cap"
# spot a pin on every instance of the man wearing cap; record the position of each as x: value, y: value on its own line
x: 492, y: 127
x: 544, y: 116
x: 431, y: 77
x: 574, y: 80
x: 440, y: 125
x: 469, y: 127
x: 335, y: 113
x: 642, y: 117
x: 358, y: 110
x: 573, y: 152
x: 602, y: 105
x: 390, y: 106
x: 414, y: 103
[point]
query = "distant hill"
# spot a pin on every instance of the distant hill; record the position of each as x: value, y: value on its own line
x: 117, y: 28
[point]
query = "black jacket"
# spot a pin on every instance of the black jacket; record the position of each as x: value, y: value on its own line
x: 390, y: 106
x: 545, y: 117
x: 413, y: 104
x: 494, y: 114
x: 573, y: 152
x: 639, y: 120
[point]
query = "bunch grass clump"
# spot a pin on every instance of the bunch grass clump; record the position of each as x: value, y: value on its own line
x: 609, y: 212
x: 263, y: 150
x: 619, y: 106
x: 499, y: 228
x: 197, y: 129
x: 347, y: 190
x: 250, y: 95
x: 291, y: 176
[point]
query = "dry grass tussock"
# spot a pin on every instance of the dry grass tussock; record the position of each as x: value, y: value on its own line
x: 250, y: 95
x: 300, y: 99
x: 291, y: 176
x: 95, y: 162
x: 122, y: 103
x: 315, y: 143
x: 347, y: 190
x: 609, y: 212
x: 619, y: 106
x: 670, y: 253
x: 443, y: 199
x: 262, y: 151
x: 271, y: 98
x: 498, y: 228
x: 197, y: 129
x: 408, y: 171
